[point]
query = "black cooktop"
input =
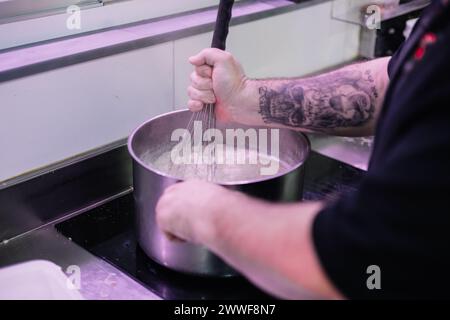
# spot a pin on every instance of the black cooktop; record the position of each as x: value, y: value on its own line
x: 107, y: 232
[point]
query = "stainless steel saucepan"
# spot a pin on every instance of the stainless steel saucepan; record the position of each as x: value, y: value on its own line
x: 150, y: 183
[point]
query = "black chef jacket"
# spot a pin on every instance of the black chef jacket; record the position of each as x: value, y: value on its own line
x: 398, y: 221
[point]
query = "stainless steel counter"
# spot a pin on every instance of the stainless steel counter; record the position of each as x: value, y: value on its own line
x: 353, y: 151
x: 99, y: 279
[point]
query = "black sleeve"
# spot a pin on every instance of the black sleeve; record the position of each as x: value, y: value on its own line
x: 399, y: 218
x: 395, y: 57
x: 393, y: 61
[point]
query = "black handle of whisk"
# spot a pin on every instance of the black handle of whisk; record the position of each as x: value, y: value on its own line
x: 222, y: 24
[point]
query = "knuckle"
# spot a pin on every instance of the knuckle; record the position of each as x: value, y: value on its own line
x: 160, y: 219
x: 227, y: 56
x: 159, y: 206
x: 196, y: 95
x: 206, y: 51
x: 193, y: 105
x: 210, y: 51
x: 211, y: 98
x: 202, y: 85
x: 215, y: 50
x: 205, y: 70
x: 192, y: 76
x: 203, y: 82
x: 191, y: 92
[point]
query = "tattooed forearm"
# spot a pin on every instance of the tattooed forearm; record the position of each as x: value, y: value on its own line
x: 341, y: 99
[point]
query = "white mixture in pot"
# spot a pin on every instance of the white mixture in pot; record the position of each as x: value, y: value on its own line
x: 251, y: 166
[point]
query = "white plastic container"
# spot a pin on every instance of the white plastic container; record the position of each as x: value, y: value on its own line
x: 36, y: 280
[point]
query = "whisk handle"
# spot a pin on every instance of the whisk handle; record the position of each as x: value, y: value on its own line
x: 222, y: 24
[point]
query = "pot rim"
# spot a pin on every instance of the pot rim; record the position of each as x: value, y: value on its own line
x: 230, y: 183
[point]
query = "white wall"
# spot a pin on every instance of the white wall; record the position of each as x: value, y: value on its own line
x: 51, y: 116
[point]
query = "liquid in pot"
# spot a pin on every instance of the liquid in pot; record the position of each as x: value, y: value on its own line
x: 233, y: 164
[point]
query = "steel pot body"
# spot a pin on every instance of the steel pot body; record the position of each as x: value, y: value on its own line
x: 149, y: 184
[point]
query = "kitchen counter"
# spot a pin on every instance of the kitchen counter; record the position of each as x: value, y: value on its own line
x: 99, y: 279
x: 353, y: 151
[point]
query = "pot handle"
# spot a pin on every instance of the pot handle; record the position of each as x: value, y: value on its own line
x: 222, y: 24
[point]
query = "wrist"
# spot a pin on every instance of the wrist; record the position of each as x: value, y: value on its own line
x: 245, y: 107
x: 219, y: 216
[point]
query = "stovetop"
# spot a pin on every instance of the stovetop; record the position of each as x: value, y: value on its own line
x: 107, y: 232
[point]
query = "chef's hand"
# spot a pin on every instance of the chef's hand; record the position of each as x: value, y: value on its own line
x: 186, y: 210
x: 218, y: 78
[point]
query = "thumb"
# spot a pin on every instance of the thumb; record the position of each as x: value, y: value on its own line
x: 197, y: 60
x: 208, y: 56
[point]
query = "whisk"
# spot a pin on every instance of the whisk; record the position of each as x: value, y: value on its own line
x: 205, y: 166
x: 200, y: 128
x: 197, y: 140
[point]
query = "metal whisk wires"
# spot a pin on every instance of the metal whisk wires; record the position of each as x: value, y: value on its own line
x: 202, y: 146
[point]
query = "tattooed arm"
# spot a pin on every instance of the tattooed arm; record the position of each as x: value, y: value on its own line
x: 343, y: 102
